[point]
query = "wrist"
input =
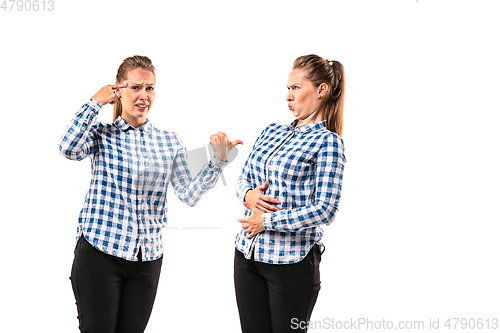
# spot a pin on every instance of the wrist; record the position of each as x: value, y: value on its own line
x: 245, y: 196
x: 97, y: 100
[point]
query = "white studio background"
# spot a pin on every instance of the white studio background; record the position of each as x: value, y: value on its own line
x: 416, y: 237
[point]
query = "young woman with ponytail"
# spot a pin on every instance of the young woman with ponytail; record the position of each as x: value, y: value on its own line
x: 290, y: 186
x: 119, y: 248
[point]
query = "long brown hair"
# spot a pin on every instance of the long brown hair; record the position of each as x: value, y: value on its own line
x: 127, y: 65
x: 320, y: 71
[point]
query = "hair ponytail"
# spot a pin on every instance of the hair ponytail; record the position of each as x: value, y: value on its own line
x: 122, y: 74
x: 332, y: 73
x: 334, y: 108
x: 117, y: 109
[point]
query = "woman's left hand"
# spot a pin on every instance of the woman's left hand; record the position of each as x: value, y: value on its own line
x: 254, y: 224
x: 222, y: 145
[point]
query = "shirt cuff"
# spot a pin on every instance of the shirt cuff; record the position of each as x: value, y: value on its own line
x: 218, y: 164
x: 94, y: 105
x: 89, y: 113
x: 267, y: 221
x: 215, y: 167
x: 243, y: 192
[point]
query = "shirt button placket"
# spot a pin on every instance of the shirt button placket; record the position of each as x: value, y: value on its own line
x: 140, y: 188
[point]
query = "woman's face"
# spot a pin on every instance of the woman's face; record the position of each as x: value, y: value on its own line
x: 303, y: 98
x: 138, y: 97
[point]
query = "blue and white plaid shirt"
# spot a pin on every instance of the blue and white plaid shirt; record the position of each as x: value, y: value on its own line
x: 304, y: 167
x: 126, y: 205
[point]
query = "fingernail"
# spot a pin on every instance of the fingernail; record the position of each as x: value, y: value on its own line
x: 244, y: 204
x: 278, y: 202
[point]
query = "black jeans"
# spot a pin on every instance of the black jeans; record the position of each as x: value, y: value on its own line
x: 112, y: 294
x: 276, y: 298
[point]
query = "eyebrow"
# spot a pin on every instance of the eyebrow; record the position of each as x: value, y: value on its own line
x: 140, y: 84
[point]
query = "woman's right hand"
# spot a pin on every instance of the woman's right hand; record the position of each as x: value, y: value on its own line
x: 255, y: 199
x: 107, y: 94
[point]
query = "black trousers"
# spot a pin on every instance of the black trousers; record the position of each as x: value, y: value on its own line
x: 276, y: 298
x: 112, y: 294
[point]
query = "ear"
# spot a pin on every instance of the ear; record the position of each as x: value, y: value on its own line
x: 118, y: 93
x: 323, y: 89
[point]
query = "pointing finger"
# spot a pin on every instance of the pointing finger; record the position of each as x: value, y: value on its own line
x: 119, y: 86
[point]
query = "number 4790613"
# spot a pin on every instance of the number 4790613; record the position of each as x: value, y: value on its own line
x: 27, y: 5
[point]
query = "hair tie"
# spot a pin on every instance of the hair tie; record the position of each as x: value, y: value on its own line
x: 329, y: 62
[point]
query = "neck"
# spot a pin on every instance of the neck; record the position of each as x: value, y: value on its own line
x: 136, y: 123
x: 314, y: 117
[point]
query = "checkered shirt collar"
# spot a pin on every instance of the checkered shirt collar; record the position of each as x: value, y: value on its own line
x: 307, y: 128
x: 124, y: 126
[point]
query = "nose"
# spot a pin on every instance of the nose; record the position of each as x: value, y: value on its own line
x: 144, y: 95
x: 289, y: 96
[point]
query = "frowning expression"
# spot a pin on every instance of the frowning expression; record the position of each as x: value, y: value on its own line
x: 138, y: 97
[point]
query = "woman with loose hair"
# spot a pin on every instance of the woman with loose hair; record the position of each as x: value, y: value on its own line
x: 290, y: 186
x: 119, y: 248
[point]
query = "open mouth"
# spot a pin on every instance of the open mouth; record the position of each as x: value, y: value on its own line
x: 141, y: 107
